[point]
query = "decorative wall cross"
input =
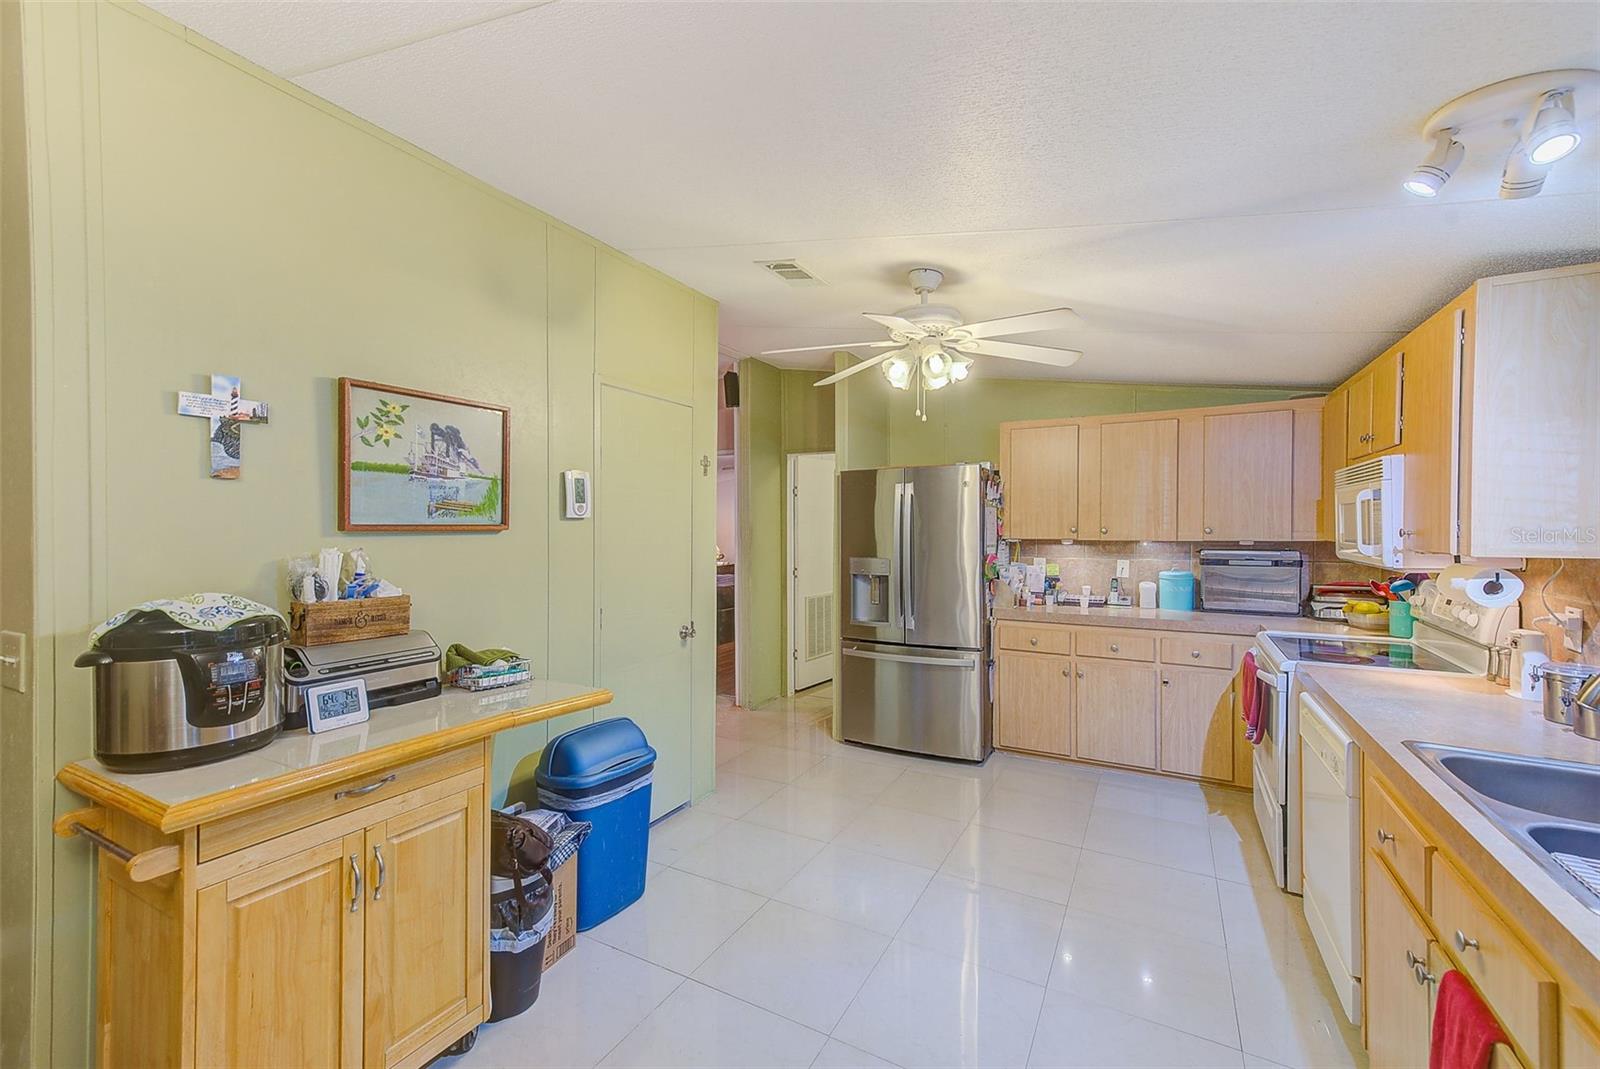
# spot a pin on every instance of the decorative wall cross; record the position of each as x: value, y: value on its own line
x: 227, y: 411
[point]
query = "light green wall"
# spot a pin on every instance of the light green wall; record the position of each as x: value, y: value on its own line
x: 194, y: 214
x: 964, y: 420
x: 861, y: 416
x: 807, y: 413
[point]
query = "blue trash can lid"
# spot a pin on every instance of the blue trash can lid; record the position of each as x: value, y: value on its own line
x: 594, y: 754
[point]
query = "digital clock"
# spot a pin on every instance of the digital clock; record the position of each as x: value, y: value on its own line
x: 336, y: 705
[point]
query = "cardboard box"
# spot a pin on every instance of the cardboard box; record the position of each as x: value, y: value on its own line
x: 564, y: 904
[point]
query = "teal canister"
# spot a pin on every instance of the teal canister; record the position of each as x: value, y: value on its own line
x: 1400, y: 619
x: 1175, y: 590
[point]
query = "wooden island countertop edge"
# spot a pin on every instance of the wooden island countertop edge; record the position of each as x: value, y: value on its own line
x: 178, y: 816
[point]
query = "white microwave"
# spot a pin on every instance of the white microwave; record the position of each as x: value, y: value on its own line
x: 1368, y: 502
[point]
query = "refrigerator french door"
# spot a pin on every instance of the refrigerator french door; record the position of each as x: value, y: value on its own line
x: 913, y: 658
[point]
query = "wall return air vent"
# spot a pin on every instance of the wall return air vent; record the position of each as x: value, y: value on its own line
x: 791, y: 272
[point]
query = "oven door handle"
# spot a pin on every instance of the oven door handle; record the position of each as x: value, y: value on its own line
x: 1271, y: 679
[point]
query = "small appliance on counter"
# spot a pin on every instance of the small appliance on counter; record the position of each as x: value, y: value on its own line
x: 1267, y: 581
x: 396, y: 669
x: 186, y: 681
x: 1175, y: 590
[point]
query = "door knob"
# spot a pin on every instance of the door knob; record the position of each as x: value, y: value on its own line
x: 1462, y: 942
x: 686, y: 632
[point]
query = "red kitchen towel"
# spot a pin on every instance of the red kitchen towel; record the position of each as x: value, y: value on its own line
x: 1252, y: 699
x: 1464, y: 1031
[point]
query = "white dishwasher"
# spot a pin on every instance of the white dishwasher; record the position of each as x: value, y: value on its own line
x: 1330, y: 793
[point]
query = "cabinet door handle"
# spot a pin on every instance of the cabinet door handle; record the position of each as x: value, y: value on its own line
x: 355, y: 891
x: 1423, y: 976
x: 1080, y: 675
x: 1208, y: 530
x: 1104, y: 531
x: 357, y: 792
x: 1066, y: 672
x: 1412, y: 961
x: 1384, y: 837
x: 1074, y: 530
x: 1166, y: 682
x: 1463, y: 943
x: 377, y: 888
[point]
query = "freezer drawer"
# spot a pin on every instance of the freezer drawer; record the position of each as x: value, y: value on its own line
x: 920, y: 700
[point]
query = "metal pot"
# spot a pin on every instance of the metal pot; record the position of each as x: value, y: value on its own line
x: 1562, y: 682
x: 167, y: 696
x: 1586, y: 718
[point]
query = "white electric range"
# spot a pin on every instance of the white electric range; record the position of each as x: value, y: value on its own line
x: 1451, y: 636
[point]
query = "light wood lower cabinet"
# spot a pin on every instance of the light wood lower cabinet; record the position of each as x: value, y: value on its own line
x: 278, y: 981
x: 1033, y: 706
x: 1115, y: 713
x: 1395, y: 974
x: 1197, y: 722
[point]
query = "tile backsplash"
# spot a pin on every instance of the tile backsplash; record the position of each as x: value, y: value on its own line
x: 1094, y: 563
x: 1571, y: 583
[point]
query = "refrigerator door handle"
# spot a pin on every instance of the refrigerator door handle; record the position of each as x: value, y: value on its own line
x: 899, y: 552
x: 908, y: 602
x: 969, y: 663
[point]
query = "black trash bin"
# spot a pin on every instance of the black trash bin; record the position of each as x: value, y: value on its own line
x: 519, y: 924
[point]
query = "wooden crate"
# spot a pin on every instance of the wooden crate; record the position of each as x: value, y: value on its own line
x: 324, y: 622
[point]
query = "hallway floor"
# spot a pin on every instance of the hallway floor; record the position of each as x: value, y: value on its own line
x: 831, y: 905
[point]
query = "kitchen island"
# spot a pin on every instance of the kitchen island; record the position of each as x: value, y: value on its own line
x: 320, y: 901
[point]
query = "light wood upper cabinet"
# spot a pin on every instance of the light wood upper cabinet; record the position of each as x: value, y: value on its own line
x: 280, y: 979
x: 1432, y: 355
x: 1531, y: 430
x: 1249, y: 476
x: 1115, y: 713
x: 425, y: 925
x: 1335, y: 415
x: 1040, y: 466
x: 1197, y: 722
x: 1137, y: 488
x: 1372, y: 423
x: 1033, y: 703
x: 1394, y: 989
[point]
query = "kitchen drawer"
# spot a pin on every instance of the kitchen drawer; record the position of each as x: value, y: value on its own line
x: 1201, y: 652
x: 1522, y: 996
x: 1392, y: 835
x: 1032, y: 638
x: 1117, y: 645
x: 224, y: 836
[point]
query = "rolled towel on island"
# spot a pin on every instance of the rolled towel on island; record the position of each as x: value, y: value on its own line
x: 458, y: 656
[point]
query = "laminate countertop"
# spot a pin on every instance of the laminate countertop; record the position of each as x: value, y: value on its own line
x: 1383, y: 710
x: 297, y: 762
x: 1217, y: 623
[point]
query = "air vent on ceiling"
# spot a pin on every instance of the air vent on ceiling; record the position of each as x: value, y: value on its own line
x: 791, y: 272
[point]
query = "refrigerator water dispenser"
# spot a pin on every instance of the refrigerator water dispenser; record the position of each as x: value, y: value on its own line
x: 869, y: 590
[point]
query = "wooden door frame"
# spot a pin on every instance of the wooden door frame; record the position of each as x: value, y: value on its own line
x: 790, y: 488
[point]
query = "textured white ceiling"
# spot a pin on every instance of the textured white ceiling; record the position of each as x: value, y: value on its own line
x: 1215, y: 187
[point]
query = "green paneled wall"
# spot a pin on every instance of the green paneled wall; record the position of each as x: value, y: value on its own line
x: 193, y: 214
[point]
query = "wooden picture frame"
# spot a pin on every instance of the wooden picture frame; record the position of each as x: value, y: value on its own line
x: 435, y: 481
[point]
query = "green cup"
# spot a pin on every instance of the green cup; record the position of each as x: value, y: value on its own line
x: 1400, y: 619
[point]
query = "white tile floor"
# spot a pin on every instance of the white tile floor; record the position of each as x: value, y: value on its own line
x: 837, y: 906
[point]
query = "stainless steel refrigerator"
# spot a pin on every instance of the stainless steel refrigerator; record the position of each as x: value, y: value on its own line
x: 913, y: 628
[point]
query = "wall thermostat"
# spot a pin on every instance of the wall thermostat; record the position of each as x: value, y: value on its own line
x: 576, y: 493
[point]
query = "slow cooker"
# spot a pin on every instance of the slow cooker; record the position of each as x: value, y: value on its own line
x: 171, y: 696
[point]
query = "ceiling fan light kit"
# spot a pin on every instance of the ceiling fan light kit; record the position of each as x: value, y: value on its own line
x: 931, y: 346
x: 1540, y: 110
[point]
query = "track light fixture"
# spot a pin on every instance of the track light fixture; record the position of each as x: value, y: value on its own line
x: 1541, y: 108
x: 1432, y: 173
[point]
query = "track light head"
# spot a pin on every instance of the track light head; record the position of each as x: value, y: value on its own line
x: 1553, y: 132
x: 1432, y: 173
x: 1522, y: 177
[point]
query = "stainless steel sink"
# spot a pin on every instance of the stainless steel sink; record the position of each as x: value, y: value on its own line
x: 1551, y: 809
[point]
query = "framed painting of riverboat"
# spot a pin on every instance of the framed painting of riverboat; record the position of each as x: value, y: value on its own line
x: 416, y: 461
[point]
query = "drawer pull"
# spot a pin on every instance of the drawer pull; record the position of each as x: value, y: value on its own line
x: 1463, y: 943
x: 1384, y: 837
x: 1115, y: 648
x: 1033, y: 642
x: 355, y: 890
x: 1195, y: 654
x: 357, y: 792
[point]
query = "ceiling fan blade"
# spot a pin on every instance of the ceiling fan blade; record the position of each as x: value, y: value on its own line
x: 1011, y: 350
x: 853, y: 368
x: 835, y: 345
x: 1050, y: 319
x: 895, y: 323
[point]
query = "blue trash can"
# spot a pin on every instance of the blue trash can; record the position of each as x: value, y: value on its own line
x: 601, y: 773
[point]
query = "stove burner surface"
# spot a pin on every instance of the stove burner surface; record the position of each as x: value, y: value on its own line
x: 1372, y: 653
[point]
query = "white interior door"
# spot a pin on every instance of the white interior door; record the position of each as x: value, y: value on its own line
x: 811, y: 569
x: 642, y: 504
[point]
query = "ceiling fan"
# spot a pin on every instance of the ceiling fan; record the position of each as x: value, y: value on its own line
x: 930, y: 346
